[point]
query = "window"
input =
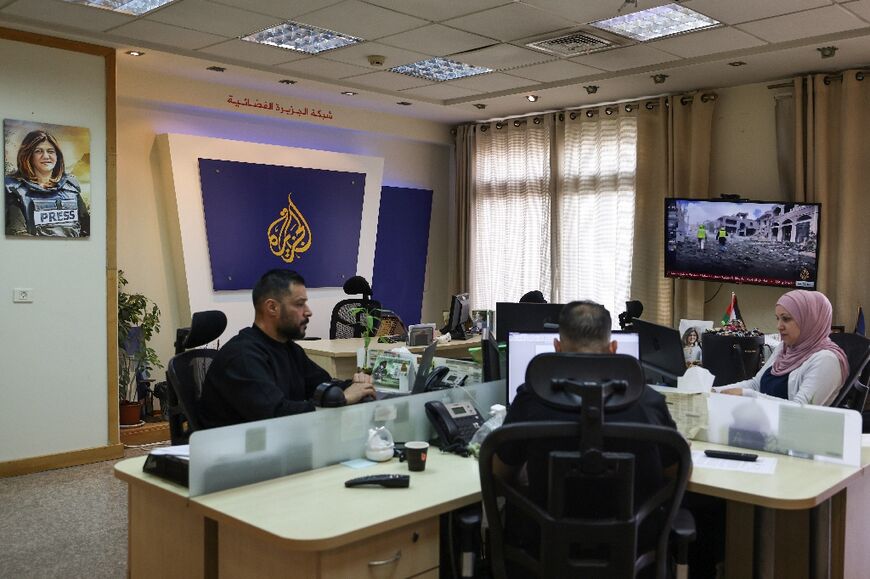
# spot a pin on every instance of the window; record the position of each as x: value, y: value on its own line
x: 567, y: 231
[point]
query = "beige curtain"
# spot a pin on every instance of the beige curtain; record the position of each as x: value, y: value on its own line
x: 832, y: 167
x: 673, y: 160
x: 464, y: 190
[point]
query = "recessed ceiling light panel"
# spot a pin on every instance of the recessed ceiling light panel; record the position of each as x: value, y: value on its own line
x: 439, y: 69
x: 135, y: 7
x: 302, y: 38
x: 657, y: 22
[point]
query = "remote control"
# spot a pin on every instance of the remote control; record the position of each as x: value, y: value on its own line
x: 748, y: 457
x: 393, y: 481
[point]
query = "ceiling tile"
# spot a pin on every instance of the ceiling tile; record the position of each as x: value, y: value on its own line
x: 159, y: 33
x: 279, y: 8
x: 440, y: 10
x: 214, y: 18
x: 357, y: 54
x: 804, y: 24
x: 362, y: 20
x: 737, y: 11
x: 706, y: 42
x: 56, y: 12
x: 625, y: 58
x: 511, y: 22
x: 323, y: 68
x: 504, y: 56
x: 492, y: 82
x: 437, y: 40
x: 388, y: 80
x: 861, y: 8
x: 440, y: 91
x: 259, y: 54
x: 585, y: 12
x: 554, y: 71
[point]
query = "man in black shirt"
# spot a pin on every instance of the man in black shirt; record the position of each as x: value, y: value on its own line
x: 261, y: 373
x: 584, y: 327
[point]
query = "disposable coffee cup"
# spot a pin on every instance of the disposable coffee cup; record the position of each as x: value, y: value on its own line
x: 416, y: 452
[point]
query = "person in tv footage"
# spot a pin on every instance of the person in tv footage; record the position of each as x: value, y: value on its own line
x: 702, y: 236
x: 261, y: 372
x: 42, y: 199
x: 806, y: 367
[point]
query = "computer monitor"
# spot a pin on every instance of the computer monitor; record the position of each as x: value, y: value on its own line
x: 661, y: 352
x: 525, y: 317
x: 523, y: 346
x: 460, y: 316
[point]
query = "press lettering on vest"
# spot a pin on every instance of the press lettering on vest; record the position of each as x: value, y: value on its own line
x: 55, y: 217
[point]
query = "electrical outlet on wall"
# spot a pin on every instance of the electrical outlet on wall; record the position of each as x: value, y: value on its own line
x: 22, y: 295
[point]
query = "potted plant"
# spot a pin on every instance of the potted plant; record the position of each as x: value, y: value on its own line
x: 138, y: 321
x: 368, y: 320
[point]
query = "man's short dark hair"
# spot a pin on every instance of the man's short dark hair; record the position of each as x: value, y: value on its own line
x: 274, y: 284
x: 585, y: 325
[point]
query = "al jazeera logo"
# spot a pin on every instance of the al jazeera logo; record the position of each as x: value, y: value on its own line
x: 289, y: 235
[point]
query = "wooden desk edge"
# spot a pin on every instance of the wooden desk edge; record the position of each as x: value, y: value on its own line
x: 332, y: 542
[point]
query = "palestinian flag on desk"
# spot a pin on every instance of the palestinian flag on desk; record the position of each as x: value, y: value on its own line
x: 732, y: 314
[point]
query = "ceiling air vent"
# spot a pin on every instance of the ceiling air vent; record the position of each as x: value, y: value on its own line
x: 576, y: 43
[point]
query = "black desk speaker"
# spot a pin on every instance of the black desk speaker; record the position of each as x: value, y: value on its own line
x: 731, y: 358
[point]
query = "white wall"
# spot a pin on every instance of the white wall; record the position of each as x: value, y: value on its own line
x: 415, y: 154
x: 53, y: 351
x: 744, y: 163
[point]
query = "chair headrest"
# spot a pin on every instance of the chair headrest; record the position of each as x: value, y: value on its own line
x: 205, y: 327
x: 357, y: 285
x: 533, y: 297
x: 599, y: 368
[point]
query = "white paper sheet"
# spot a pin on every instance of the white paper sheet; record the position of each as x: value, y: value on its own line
x: 762, y: 465
x: 181, y: 451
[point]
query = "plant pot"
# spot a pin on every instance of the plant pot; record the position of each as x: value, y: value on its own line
x: 129, y: 413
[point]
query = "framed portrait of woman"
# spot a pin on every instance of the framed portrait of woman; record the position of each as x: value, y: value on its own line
x: 47, y: 179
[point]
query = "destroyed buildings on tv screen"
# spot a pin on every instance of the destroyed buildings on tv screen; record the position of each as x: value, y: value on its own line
x: 742, y: 242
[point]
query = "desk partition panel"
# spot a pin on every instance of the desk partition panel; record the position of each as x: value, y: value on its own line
x: 816, y: 432
x: 224, y: 458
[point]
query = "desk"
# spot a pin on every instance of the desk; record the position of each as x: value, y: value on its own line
x: 308, y: 523
x: 338, y: 357
x: 807, y: 519
x: 311, y: 524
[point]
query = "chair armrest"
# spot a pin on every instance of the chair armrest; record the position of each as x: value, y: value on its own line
x: 683, y: 532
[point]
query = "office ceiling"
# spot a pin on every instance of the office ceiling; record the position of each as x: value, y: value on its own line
x: 774, y: 38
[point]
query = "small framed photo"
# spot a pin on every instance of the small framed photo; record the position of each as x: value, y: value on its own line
x: 481, y: 320
x: 421, y: 334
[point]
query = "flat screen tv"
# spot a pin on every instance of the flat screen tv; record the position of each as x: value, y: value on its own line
x: 752, y: 242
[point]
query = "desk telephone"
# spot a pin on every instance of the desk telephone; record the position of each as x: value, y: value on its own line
x: 454, y: 422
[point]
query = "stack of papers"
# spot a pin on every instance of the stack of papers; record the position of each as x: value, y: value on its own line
x: 181, y: 451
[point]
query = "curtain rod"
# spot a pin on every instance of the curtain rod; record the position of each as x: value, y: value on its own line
x: 859, y: 75
x: 590, y: 110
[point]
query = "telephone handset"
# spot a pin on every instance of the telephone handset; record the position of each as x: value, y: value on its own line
x: 454, y: 422
x: 435, y: 378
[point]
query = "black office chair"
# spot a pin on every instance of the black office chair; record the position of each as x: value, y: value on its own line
x: 343, y: 323
x: 186, y: 372
x: 593, y: 524
x: 853, y: 394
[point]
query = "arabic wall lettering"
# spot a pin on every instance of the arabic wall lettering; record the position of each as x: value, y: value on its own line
x: 275, y: 107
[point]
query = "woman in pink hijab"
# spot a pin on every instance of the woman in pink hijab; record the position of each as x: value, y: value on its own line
x: 807, y: 367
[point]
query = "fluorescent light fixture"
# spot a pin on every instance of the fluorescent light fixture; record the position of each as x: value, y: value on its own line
x: 657, y: 22
x: 302, y: 38
x: 439, y: 69
x: 135, y: 7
